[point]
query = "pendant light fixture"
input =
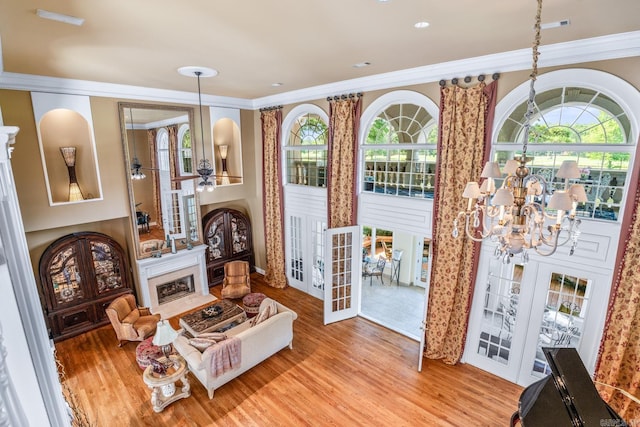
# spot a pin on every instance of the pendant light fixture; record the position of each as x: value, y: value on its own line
x: 136, y: 173
x: 204, y: 166
x: 516, y: 215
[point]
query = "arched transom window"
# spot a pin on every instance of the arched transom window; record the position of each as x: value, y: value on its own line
x: 400, y: 152
x: 575, y: 123
x: 306, y: 151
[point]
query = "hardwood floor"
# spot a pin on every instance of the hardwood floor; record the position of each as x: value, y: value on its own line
x: 348, y: 373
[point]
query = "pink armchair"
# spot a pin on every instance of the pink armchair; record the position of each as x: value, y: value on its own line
x: 130, y: 322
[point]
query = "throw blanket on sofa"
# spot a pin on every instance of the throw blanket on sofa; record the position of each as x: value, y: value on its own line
x: 225, y: 356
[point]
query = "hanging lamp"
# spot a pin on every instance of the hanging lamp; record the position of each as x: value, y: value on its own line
x: 516, y: 215
x: 136, y: 173
x: 204, y: 165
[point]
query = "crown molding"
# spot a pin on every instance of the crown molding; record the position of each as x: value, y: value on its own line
x: 613, y: 46
x: 36, y: 83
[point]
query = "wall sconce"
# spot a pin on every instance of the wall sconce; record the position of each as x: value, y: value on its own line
x: 69, y: 156
x: 224, y: 149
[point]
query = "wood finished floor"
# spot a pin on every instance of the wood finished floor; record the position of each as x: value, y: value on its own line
x: 351, y: 373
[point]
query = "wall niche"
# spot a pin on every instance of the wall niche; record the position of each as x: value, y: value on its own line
x: 227, y: 143
x: 67, y: 147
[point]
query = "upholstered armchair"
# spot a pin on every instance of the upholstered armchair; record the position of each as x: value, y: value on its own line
x: 131, y: 323
x: 236, y: 283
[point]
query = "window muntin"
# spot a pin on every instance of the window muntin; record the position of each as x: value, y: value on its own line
x: 184, y: 150
x: 580, y: 124
x: 306, y: 151
x: 399, y: 152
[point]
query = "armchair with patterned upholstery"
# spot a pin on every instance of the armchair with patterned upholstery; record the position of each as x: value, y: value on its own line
x: 130, y: 322
x: 236, y: 283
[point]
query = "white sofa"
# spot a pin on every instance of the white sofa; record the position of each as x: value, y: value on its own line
x: 257, y: 344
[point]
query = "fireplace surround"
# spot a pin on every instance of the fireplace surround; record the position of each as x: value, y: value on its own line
x: 174, y: 283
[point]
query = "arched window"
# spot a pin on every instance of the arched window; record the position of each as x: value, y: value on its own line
x: 399, y: 148
x: 306, y: 151
x: 575, y: 122
x: 184, y: 147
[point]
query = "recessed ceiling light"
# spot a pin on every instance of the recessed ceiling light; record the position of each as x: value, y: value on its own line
x: 53, y: 16
x: 361, y: 64
x: 421, y: 24
x: 276, y: 84
x: 556, y: 24
x: 384, y: 1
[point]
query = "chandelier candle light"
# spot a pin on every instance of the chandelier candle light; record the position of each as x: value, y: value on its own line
x: 515, y: 215
x: 136, y: 173
x: 204, y: 166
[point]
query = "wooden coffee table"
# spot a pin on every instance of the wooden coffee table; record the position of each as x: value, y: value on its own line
x: 199, y: 322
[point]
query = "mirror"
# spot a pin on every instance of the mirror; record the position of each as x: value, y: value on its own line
x: 159, y: 158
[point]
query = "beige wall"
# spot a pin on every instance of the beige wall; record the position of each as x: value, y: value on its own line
x: 44, y: 223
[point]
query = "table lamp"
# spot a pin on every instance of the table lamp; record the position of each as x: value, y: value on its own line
x: 164, y: 336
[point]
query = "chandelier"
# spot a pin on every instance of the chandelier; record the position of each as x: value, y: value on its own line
x: 136, y: 173
x: 517, y: 215
x: 204, y: 166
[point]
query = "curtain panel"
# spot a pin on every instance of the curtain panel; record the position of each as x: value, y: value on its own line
x: 174, y: 156
x: 344, y: 121
x: 464, y: 140
x: 153, y: 155
x: 618, y: 363
x: 275, y: 274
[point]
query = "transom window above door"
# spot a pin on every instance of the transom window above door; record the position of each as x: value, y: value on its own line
x: 399, y: 152
x: 306, y: 151
x: 581, y: 124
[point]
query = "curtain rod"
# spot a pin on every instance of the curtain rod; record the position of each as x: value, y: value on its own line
x: 344, y: 96
x: 275, y: 107
x: 467, y: 79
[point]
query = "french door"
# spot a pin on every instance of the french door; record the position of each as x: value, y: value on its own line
x: 524, y: 307
x: 305, y: 253
x: 342, y: 271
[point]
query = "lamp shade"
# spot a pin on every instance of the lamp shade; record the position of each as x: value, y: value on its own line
x: 223, y: 151
x: 165, y: 334
x: 578, y: 193
x: 511, y: 166
x: 568, y: 169
x: 503, y: 197
x: 491, y: 170
x: 471, y: 190
x: 561, y: 200
x: 488, y: 186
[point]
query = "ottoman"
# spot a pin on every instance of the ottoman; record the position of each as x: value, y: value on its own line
x: 145, y: 351
x: 251, y: 303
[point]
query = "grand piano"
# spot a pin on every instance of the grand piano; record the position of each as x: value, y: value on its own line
x: 567, y: 397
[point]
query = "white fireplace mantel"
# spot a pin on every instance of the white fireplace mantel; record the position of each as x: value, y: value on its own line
x: 152, y: 271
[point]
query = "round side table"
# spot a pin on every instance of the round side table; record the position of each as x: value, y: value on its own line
x: 163, y: 387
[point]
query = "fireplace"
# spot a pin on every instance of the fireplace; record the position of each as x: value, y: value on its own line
x: 174, y: 283
x: 175, y: 289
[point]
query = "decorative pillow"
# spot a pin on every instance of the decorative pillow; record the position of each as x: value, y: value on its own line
x: 201, y: 343
x: 217, y: 336
x: 267, y: 309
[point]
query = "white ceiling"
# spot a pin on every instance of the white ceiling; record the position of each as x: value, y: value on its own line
x: 299, y: 43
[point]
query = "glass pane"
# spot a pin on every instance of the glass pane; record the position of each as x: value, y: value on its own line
x: 307, y: 167
x: 318, y: 254
x: 603, y: 175
x: 341, y: 274
x: 403, y: 172
x: 500, y: 311
x: 563, y: 319
x: 65, y: 277
x: 295, y: 248
x: 239, y: 235
x: 215, y: 240
x: 106, y: 265
x: 308, y: 129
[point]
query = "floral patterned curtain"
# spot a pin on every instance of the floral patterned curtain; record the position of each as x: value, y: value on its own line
x: 619, y: 359
x: 344, y: 121
x: 466, y: 116
x: 174, y: 156
x: 153, y: 155
x: 275, y: 274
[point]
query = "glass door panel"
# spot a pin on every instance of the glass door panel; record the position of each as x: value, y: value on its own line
x: 295, y: 270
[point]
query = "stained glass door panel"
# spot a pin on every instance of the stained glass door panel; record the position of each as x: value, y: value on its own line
x: 107, y: 267
x: 65, y: 277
